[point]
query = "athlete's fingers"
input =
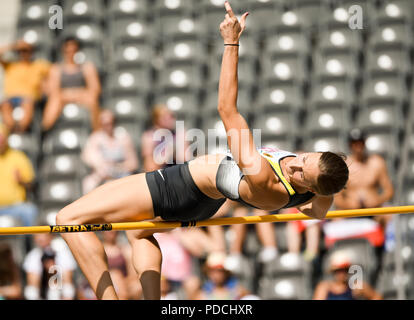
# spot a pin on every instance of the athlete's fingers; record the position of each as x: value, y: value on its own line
x: 243, y: 20
x: 229, y: 9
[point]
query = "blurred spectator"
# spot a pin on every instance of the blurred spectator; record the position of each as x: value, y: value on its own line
x: 49, y: 270
x: 220, y: 283
x: 369, y: 186
x: 71, y: 82
x: 24, y: 84
x: 162, y: 118
x: 119, y: 267
x: 111, y: 156
x: 309, y: 229
x: 265, y: 232
x: 16, y: 177
x: 340, y: 286
x: 166, y: 291
x: 10, y: 281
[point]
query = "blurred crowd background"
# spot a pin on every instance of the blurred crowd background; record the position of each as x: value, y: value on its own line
x: 82, y: 98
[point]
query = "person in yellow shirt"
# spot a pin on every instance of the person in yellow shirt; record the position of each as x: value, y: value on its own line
x: 24, y: 84
x: 16, y: 177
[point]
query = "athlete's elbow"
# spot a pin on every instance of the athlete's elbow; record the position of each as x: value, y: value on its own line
x: 226, y: 109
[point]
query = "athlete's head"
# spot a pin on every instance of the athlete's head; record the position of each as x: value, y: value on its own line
x: 323, y: 173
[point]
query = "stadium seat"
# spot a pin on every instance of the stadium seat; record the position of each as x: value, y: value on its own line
x: 59, y: 193
x: 408, y: 193
x: 329, y: 118
x: 74, y: 115
x: 343, y: 12
x: 388, y: 285
x: 281, y: 287
x: 286, y: 263
x: 309, y: 12
x: 264, y: 15
x: 124, y: 8
x: 330, y: 141
x: 392, y: 61
x: 385, y: 143
x: 395, y: 11
x: 387, y: 88
x: 381, y: 116
x: 180, y: 25
x: 132, y: 55
x: 280, y: 69
x: 35, y: 12
x: 81, y: 10
x: 391, y: 35
x: 64, y: 140
x: 184, y: 103
x: 62, y: 167
x: 336, y: 65
x: 339, y: 39
x: 184, y: 50
x: 189, y: 76
x: 130, y: 81
x: 128, y: 107
x: 131, y: 30
x: 286, y: 42
x: 276, y: 123
x: 172, y: 7
x: 329, y: 92
x: 280, y: 96
x: 40, y: 37
x: 89, y: 34
x: 28, y: 143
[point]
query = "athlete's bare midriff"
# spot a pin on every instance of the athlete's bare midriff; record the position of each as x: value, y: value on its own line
x: 203, y: 170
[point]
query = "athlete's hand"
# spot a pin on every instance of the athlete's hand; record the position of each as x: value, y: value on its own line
x: 231, y: 29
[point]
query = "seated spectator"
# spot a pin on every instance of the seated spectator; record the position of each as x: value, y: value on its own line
x: 24, y: 84
x: 10, y: 280
x: 369, y: 186
x: 310, y: 229
x: 339, y: 287
x: 70, y: 82
x: 162, y: 118
x: 265, y: 232
x: 119, y: 267
x: 49, y: 270
x: 16, y: 178
x: 220, y: 284
x: 110, y: 156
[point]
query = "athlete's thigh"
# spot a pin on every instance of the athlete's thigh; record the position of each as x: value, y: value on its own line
x: 122, y: 200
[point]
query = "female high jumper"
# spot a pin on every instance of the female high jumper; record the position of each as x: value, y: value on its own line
x: 268, y: 179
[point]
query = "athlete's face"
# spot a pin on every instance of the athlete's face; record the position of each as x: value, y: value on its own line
x: 304, y: 170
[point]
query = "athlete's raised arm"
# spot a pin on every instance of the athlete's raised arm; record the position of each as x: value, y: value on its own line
x: 239, y: 136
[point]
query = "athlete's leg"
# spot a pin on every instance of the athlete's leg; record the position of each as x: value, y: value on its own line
x: 147, y: 259
x: 122, y: 200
